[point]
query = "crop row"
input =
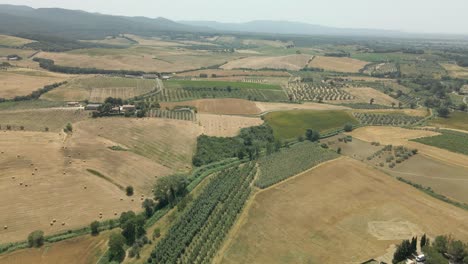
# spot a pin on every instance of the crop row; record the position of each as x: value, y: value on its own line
x: 171, y: 95
x: 288, y: 162
x: 169, y: 114
x: 308, y: 92
x: 387, y: 119
x: 199, y: 232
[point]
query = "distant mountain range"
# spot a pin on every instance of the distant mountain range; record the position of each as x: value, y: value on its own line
x: 75, y: 24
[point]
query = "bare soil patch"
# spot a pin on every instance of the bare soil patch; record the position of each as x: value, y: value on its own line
x: 225, y: 125
x: 343, y: 202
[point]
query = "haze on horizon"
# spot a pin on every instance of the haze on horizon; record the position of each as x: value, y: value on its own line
x: 419, y: 16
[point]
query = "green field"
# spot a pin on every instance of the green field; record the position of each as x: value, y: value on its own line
x: 288, y: 162
x: 291, y: 124
x: 456, y: 120
x: 449, y: 140
x: 424, y: 68
x: 178, y: 90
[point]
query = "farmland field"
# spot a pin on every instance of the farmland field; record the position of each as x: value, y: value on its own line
x: 290, y: 62
x: 455, y: 70
x: 365, y: 94
x: 386, y: 119
x: 40, y: 119
x: 291, y: 124
x: 384, y: 57
x: 337, y: 64
x: 98, y: 88
x: 310, y: 92
x: 11, y: 41
x: 44, y: 181
x: 342, y: 202
x: 190, y: 90
x: 219, y: 106
x: 456, y: 120
x: 426, y: 68
x: 225, y: 125
x: 281, y: 165
x: 21, y: 81
x: 446, y: 179
x: 81, y: 250
x: 450, y: 140
x: 227, y: 73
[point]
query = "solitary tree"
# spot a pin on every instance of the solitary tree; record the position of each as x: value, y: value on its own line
x: 348, y: 127
x: 371, y: 101
x: 423, y: 241
x: 94, y: 228
x: 129, y: 190
x: 443, y: 111
x: 312, y: 135
x: 36, y: 238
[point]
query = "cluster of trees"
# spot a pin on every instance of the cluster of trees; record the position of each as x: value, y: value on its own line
x: 34, y: 95
x: 407, y: 248
x: 338, y: 54
x: 250, y: 143
x: 51, y: 66
x: 110, y: 103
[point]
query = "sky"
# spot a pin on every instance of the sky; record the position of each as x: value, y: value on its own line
x: 421, y: 16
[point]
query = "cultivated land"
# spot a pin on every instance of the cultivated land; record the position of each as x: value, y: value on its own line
x: 81, y: 250
x: 365, y: 94
x: 219, y: 106
x: 291, y: 124
x: 354, y: 206
x: 270, y: 107
x: 290, y: 62
x: 225, y: 125
x: 98, y: 88
x: 53, y: 120
x: 22, y: 81
x: 337, y: 64
x: 227, y: 73
x: 60, y: 188
x: 455, y: 70
x: 456, y: 120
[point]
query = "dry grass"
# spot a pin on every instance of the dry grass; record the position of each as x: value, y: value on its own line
x: 455, y: 70
x: 39, y: 119
x: 365, y: 94
x: 341, y: 212
x: 11, y: 41
x: 412, y: 112
x: 20, y: 81
x: 24, y: 53
x: 224, y: 125
x: 56, y: 190
x: 290, y: 62
x: 81, y: 250
x: 228, y: 73
x: 337, y: 64
x: 219, y: 106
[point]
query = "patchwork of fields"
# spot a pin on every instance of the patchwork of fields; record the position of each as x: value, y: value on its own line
x: 337, y: 64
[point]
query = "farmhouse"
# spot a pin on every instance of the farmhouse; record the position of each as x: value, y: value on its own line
x: 166, y: 77
x: 150, y: 76
x: 127, y: 108
x: 13, y: 58
x: 92, y: 107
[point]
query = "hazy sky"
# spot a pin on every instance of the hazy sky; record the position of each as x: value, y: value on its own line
x: 435, y: 16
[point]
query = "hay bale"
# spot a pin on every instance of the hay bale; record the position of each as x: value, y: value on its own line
x: 5, y: 227
x: 13, y: 177
x: 32, y: 173
x: 54, y: 220
x: 21, y: 183
x: 63, y: 223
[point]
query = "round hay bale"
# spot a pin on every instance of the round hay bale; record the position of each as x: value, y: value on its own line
x: 115, y: 213
x: 25, y: 185
x: 21, y: 183
x: 35, y: 169
x: 13, y: 177
x: 63, y: 223
x: 51, y: 223
x: 85, y: 187
x: 5, y: 227
x: 54, y: 220
x: 32, y: 173
x: 121, y: 199
x: 18, y: 156
x: 133, y: 200
x: 64, y: 173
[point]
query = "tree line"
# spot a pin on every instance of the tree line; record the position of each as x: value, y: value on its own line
x: 34, y: 95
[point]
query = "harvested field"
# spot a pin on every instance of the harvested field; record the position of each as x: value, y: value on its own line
x: 98, y: 88
x: 21, y: 81
x: 61, y: 188
x: 365, y: 94
x: 290, y: 62
x: 139, y: 58
x: 24, y: 53
x: 270, y: 107
x: 40, y: 119
x: 446, y: 179
x: 167, y: 142
x: 219, y: 106
x: 399, y: 136
x: 228, y: 73
x: 342, y: 202
x: 224, y: 125
x: 11, y: 41
x: 337, y: 64
x: 81, y: 250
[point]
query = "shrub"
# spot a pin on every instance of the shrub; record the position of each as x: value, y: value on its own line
x: 129, y: 190
x: 348, y: 127
x: 36, y: 238
x: 156, y: 233
x: 68, y: 128
x: 95, y: 228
